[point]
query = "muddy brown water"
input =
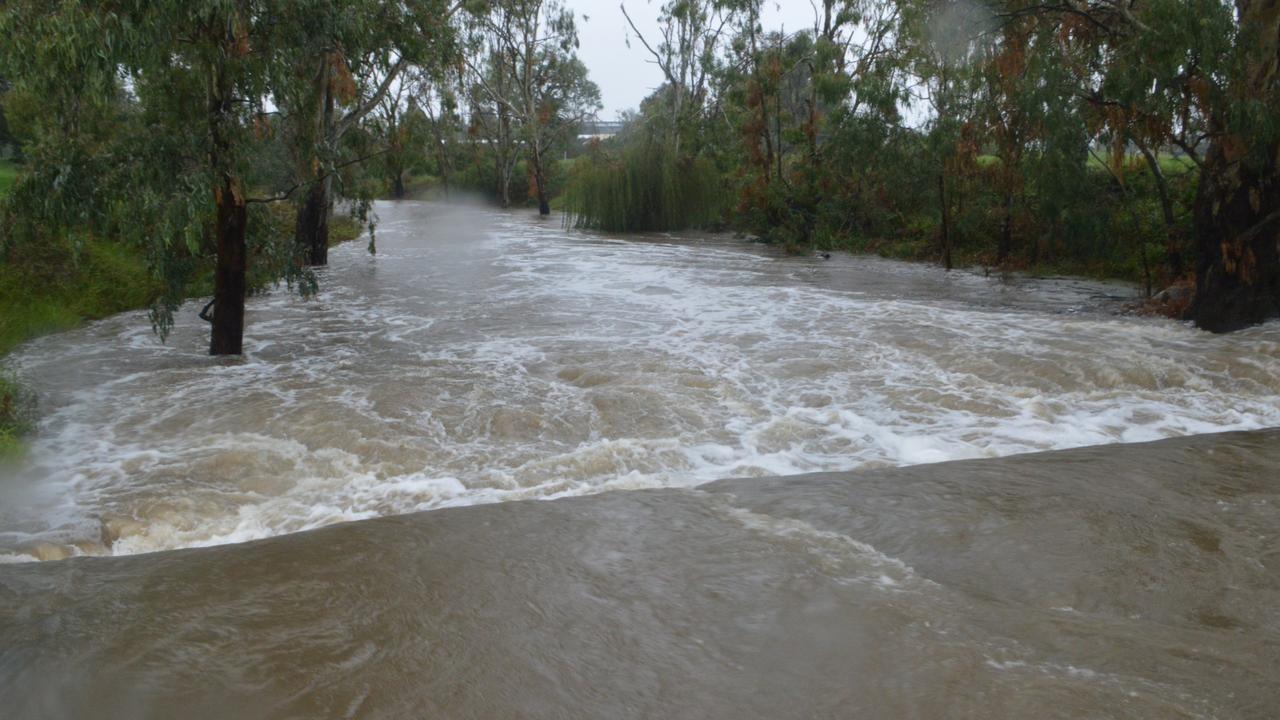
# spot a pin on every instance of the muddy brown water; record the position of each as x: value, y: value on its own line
x: 1137, y: 581
x: 484, y: 358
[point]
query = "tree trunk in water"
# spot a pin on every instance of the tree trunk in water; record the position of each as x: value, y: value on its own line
x: 229, y: 274
x: 312, y: 231
x: 1173, y: 251
x: 397, y: 187
x: 1237, y: 208
x: 946, y: 221
x: 1237, y: 223
x: 540, y: 183
x: 1006, y: 232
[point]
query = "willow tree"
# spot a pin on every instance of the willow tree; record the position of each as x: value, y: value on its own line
x: 194, y: 78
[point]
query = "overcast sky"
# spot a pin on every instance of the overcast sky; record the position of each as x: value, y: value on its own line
x: 626, y: 75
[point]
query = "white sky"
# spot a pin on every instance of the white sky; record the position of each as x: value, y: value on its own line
x: 626, y: 75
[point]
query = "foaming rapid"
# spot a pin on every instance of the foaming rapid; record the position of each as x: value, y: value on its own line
x: 484, y: 357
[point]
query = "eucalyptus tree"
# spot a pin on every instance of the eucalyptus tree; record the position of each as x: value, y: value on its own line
x: 338, y: 65
x: 491, y: 94
x: 685, y: 49
x: 544, y: 86
x: 811, y: 93
x: 945, y: 38
x: 1179, y: 72
x: 439, y: 102
x: 400, y: 123
x: 201, y: 84
x: 200, y: 80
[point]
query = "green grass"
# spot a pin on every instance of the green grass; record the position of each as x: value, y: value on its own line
x: 53, y: 287
x: 57, y: 289
x: 344, y: 228
x: 17, y: 416
x: 60, y: 289
x: 8, y: 175
x: 1169, y: 164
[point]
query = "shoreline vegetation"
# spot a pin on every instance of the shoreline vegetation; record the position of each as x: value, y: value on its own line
x: 62, y: 284
x: 184, y: 160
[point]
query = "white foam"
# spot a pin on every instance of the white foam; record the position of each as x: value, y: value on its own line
x: 486, y: 358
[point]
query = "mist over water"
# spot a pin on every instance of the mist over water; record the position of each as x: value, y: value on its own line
x: 484, y: 356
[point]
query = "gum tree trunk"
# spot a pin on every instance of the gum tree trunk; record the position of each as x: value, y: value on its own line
x: 229, y: 274
x: 1006, y: 231
x: 231, y: 219
x: 1173, y: 251
x: 1237, y: 208
x: 312, y: 231
x: 540, y: 183
x: 944, y: 230
x: 1237, y: 222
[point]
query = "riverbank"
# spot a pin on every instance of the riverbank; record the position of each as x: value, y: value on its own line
x: 56, y: 286
x: 1132, y: 581
x: 483, y: 356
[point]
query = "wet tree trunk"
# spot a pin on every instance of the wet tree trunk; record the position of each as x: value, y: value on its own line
x: 312, y: 231
x: 231, y: 219
x: 945, y: 229
x: 229, y: 273
x: 397, y: 186
x: 1237, y: 225
x: 1006, y: 232
x: 1174, y: 263
x: 1237, y: 207
x: 540, y: 182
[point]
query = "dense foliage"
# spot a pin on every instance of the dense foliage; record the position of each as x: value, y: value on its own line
x: 1136, y: 139
x: 1131, y: 139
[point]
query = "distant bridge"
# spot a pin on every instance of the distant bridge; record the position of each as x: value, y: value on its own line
x: 600, y: 129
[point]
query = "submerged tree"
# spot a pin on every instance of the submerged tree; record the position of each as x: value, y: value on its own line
x: 199, y: 79
x: 338, y: 66
x: 1177, y: 73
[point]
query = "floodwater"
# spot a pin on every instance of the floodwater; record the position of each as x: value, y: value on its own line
x: 485, y: 357
x: 1138, y: 581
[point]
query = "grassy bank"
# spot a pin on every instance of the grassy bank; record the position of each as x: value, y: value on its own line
x: 59, y: 288
x: 56, y: 287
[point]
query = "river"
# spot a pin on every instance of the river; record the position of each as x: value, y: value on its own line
x: 485, y: 357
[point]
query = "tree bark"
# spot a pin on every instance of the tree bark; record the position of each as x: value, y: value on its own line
x: 1237, y: 207
x: 1006, y: 232
x: 311, y: 234
x: 231, y: 218
x: 1237, y: 225
x: 227, y: 337
x: 945, y: 230
x: 540, y: 182
x: 1174, y: 263
x: 311, y: 229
